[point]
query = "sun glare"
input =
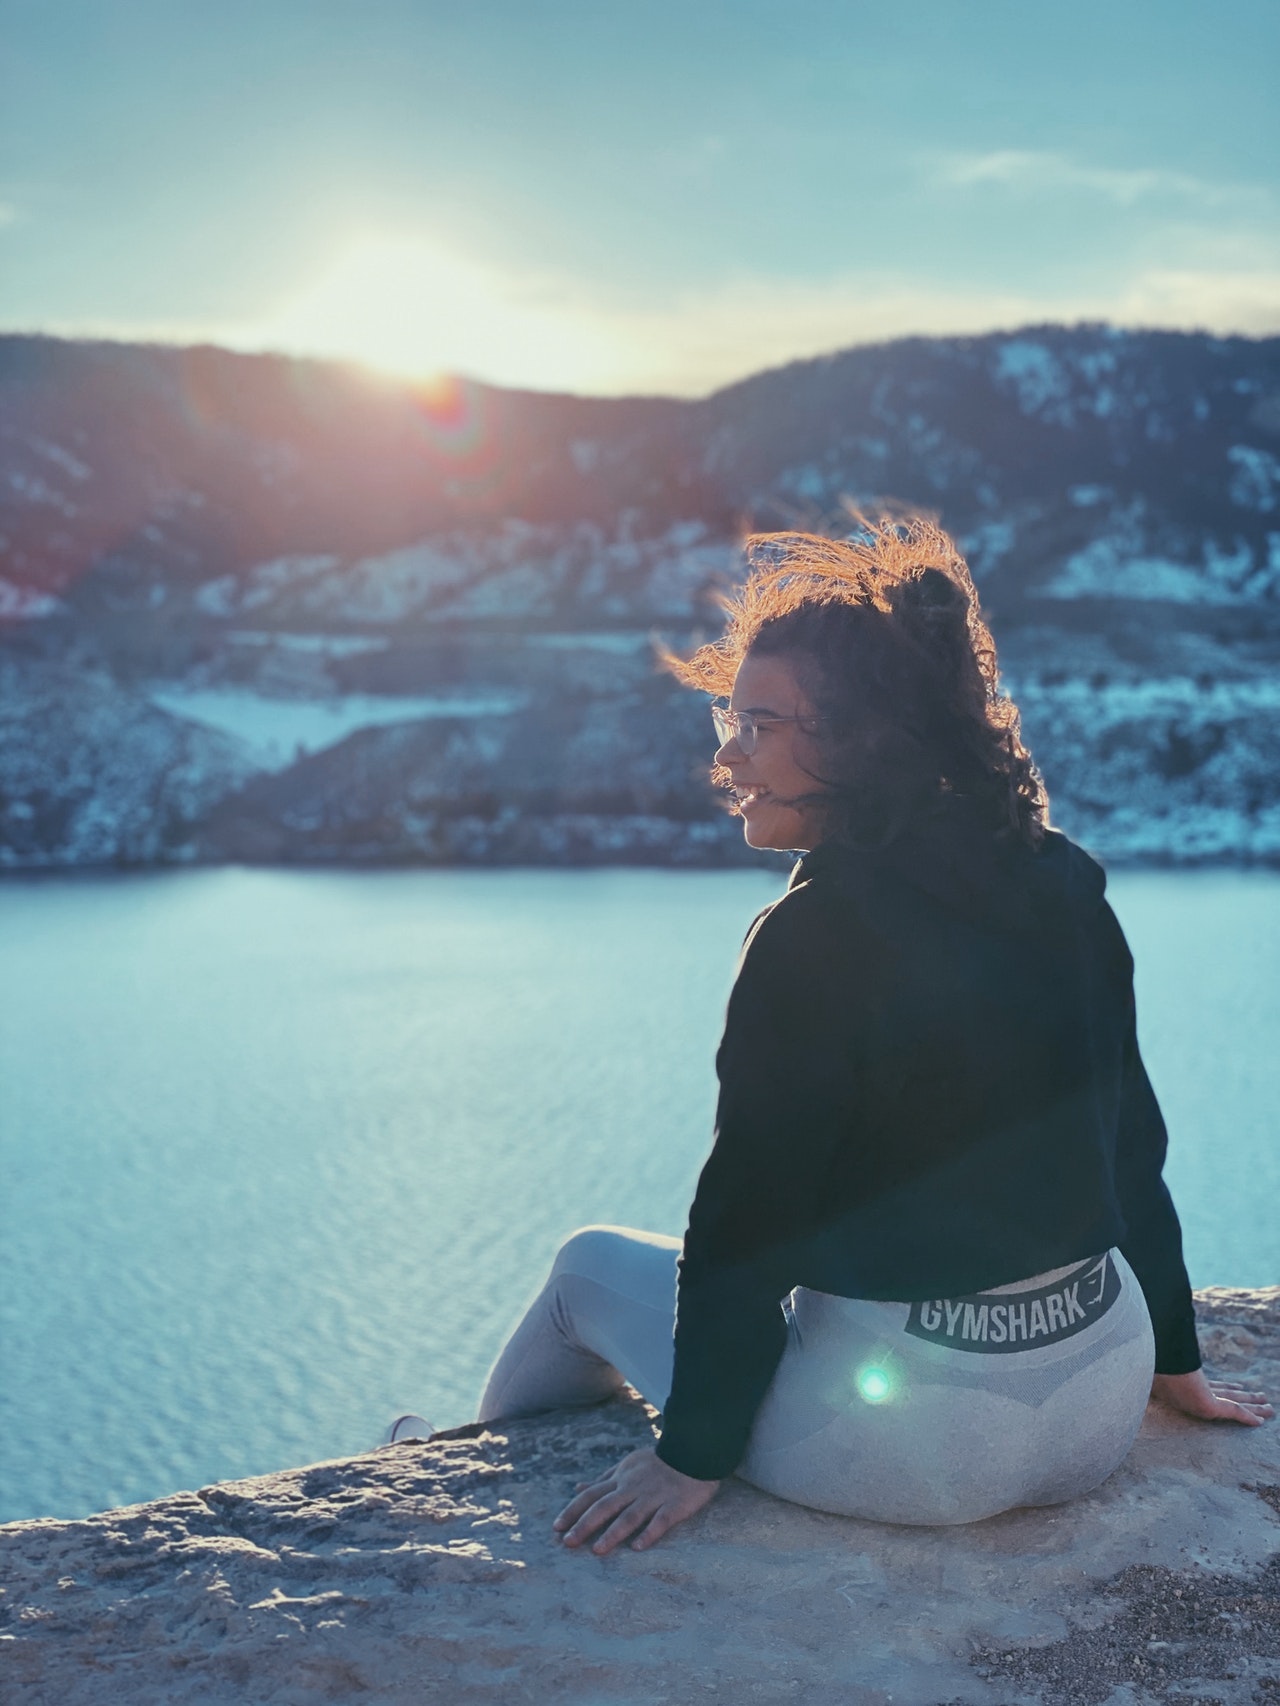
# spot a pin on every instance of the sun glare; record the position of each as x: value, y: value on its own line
x: 412, y: 307
x: 874, y: 1385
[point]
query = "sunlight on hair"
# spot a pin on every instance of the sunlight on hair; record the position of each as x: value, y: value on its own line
x: 908, y: 690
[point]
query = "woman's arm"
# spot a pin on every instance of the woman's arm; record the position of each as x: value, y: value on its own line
x: 784, y: 1092
x: 788, y: 1085
x: 777, y: 1112
x: 1153, y: 1248
x: 1152, y: 1244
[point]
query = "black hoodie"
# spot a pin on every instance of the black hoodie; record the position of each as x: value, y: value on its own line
x: 930, y: 1085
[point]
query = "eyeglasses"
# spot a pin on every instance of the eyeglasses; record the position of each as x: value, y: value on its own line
x: 744, y: 728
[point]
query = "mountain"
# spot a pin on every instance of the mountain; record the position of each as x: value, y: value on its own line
x: 261, y: 608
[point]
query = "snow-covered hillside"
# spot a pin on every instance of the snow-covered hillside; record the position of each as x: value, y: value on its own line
x: 92, y: 773
x: 262, y: 609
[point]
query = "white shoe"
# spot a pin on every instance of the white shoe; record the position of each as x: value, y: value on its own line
x: 406, y: 1428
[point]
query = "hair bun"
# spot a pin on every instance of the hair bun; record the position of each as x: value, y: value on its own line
x: 933, y: 591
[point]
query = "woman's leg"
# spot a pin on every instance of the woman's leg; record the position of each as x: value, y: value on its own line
x: 605, y: 1316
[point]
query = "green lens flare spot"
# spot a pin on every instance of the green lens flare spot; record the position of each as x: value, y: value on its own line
x: 874, y: 1385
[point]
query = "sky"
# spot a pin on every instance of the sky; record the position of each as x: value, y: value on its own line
x: 649, y: 197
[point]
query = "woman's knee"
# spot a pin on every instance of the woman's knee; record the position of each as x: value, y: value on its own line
x: 591, y: 1251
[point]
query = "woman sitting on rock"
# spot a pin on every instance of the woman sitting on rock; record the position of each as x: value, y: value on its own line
x: 931, y: 1263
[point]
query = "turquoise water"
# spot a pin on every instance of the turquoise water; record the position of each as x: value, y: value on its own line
x: 283, y: 1152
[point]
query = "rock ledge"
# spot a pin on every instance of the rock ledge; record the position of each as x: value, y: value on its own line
x: 425, y: 1573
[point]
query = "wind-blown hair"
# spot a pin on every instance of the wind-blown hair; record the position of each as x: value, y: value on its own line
x: 886, y: 637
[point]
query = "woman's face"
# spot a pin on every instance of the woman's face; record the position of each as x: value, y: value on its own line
x: 783, y: 767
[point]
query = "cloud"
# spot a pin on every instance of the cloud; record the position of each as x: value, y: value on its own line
x: 710, y: 339
x: 1041, y: 172
x: 1243, y: 300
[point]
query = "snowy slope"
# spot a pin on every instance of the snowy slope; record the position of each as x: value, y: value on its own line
x: 251, y: 608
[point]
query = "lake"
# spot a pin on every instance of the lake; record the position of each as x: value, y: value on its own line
x: 283, y: 1152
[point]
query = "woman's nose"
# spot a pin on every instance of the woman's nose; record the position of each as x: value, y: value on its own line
x: 729, y: 753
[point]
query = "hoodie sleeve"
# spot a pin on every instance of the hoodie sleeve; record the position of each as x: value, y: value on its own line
x: 1152, y: 1244
x: 786, y: 1089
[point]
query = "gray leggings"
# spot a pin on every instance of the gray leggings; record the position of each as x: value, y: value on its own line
x: 891, y: 1411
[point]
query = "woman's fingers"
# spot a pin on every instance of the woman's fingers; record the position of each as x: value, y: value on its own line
x: 1212, y: 1400
x: 1251, y: 1418
x: 586, y: 1528
x: 640, y: 1500
x: 595, y: 1516
x: 1227, y: 1411
x: 623, y: 1526
x: 1253, y: 1414
x: 583, y: 1501
x: 654, y: 1529
x: 643, y: 1522
x: 1235, y: 1403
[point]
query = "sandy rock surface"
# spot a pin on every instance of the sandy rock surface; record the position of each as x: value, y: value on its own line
x: 425, y: 1573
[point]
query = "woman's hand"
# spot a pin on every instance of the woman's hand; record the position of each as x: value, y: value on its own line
x: 643, y: 1497
x: 1211, y: 1400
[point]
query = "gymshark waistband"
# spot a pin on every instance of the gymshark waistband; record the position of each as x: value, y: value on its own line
x: 996, y: 1322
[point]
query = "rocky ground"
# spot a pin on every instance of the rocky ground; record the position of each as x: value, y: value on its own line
x: 425, y: 1573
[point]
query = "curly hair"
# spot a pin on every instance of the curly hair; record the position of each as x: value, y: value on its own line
x: 887, y: 638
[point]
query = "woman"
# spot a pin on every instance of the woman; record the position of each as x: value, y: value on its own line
x: 931, y: 1264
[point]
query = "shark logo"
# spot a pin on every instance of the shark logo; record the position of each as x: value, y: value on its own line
x: 1094, y: 1284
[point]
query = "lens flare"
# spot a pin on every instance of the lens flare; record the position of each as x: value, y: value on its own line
x: 874, y: 1385
x: 452, y: 413
x: 455, y: 422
